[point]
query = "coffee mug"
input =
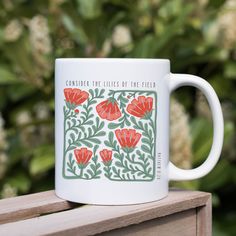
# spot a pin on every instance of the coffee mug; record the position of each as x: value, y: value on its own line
x: 112, y: 129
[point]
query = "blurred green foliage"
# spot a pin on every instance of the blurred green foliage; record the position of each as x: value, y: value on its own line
x: 199, y: 37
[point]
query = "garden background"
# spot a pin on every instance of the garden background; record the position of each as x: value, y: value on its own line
x: 199, y: 37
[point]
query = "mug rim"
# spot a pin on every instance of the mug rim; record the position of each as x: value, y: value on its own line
x: 65, y: 59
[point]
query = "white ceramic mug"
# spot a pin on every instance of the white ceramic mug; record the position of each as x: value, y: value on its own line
x: 112, y: 129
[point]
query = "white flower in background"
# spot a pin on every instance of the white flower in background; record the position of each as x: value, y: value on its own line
x: 23, y: 118
x: 39, y: 34
x: 8, y: 191
x: 13, y: 30
x: 202, y: 106
x: 226, y: 24
x: 121, y: 36
x: 3, y: 142
x: 230, y: 4
x: 180, y: 139
x: 8, y: 4
x: 222, y: 30
x: 202, y: 3
x: 3, y: 163
x: 44, y: 132
x: 32, y: 135
x: 42, y: 111
x: 228, y: 29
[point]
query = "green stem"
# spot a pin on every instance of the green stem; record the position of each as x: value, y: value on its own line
x: 81, y: 172
x: 107, y: 169
x: 64, y: 141
x: 146, y: 134
x: 121, y: 159
x: 144, y: 171
x: 130, y: 159
x: 152, y: 124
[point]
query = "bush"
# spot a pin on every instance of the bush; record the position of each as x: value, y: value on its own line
x: 198, y: 37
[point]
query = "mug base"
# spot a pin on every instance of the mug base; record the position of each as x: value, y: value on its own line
x: 109, y: 203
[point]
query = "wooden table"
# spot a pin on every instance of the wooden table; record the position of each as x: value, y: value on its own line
x: 181, y: 213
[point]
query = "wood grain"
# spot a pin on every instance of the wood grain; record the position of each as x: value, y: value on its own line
x: 204, y: 219
x: 89, y: 220
x: 32, y: 205
x: 182, y: 223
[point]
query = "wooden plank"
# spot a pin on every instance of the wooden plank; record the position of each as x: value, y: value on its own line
x: 204, y: 219
x: 182, y: 223
x: 32, y: 205
x: 89, y: 220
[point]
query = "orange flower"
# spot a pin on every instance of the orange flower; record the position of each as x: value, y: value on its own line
x: 128, y: 138
x: 75, y: 96
x: 141, y: 107
x: 108, y: 109
x: 106, y: 156
x: 82, y: 156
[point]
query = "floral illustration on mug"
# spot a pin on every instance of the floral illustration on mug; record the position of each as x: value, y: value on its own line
x: 106, y: 156
x: 141, y: 107
x: 109, y: 134
x: 108, y: 109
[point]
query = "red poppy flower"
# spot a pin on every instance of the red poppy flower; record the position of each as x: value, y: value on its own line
x: 75, y: 96
x: 108, y: 109
x: 128, y: 138
x: 141, y: 107
x: 82, y: 156
x: 106, y: 156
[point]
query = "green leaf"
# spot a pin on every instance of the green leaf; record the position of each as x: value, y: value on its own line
x: 76, y: 31
x: 89, y: 122
x: 230, y: 70
x: 201, y: 130
x: 116, y: 155
x: 113, y: 125
x: 118, y: 164
x: 218, y: 177
x: 86, y: 176
x: 108, y: 144
x: 7, y: 77
x: 72, y: 136
x: 91, y: 92
x: 144, y: 47
x: 86, y: 143
x: 89, y: 9
x: 90, y: 172
x: 145, y: 140
x: 101, y: 93
x: 111, y: 137
x: 101, y: 133
x: 95, y: 150
x: 43, y: 160
x: 95, y: 140
x: 145, y: 149
x: 20, y: 181
x: 127, y: 122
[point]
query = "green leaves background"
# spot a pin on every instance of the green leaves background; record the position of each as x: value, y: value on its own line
x: 192, y: 34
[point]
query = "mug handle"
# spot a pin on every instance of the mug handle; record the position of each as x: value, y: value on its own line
x: 178, y: 80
